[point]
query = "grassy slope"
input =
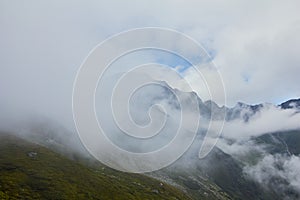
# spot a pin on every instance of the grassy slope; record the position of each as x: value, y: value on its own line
x: 49, y: 175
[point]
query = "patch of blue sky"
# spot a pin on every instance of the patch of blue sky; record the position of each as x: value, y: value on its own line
x: 143, y: 56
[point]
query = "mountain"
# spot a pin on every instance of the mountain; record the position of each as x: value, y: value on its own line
x: 281, y: 175
x: 286, y: 142
x: 293, y: 103
x: 219, y: 175
x: 222, y: 174
x: 30, y: 171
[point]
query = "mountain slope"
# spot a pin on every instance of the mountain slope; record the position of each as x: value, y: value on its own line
x: 287, y: 142
x: 218, y: 176
x: 29, y: 171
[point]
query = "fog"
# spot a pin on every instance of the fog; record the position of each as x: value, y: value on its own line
x: 272, y: 167
x: 277, y: 172
x: 269, y: 119
x: 254, y: 46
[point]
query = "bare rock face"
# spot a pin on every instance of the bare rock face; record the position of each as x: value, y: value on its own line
x: 32, y: 154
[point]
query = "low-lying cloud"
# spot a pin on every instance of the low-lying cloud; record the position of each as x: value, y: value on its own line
x: 278, y: 172
x: 269, y: 119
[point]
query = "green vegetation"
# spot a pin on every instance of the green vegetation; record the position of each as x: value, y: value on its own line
x: 29, y: 171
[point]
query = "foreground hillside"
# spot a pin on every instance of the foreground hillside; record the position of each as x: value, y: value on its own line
x: 29, y: 171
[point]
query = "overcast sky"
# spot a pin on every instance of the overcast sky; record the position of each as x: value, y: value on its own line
x: 255, y: 45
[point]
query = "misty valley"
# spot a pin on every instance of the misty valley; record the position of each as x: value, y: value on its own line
x: 41, y: 159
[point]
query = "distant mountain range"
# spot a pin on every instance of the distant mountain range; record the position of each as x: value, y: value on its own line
x: 210, y: 109
x: 221, y: 173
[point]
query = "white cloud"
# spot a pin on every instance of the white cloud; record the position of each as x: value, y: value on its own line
x: 254, y: 44
x: 277, y: 166
x: 269, y: 119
